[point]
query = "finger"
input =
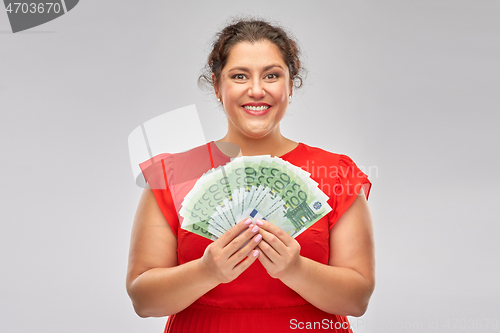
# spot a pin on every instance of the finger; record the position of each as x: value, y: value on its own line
x: 245, y: 251
x: 264, y: 259
x: 247, y: 262
x: 232, y: 233
x: 238, y: 242
x: 273, y: 241
x: 269, y: 251
x: 277, y: 231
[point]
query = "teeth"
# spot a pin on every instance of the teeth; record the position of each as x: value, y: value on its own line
x: 257, y: 108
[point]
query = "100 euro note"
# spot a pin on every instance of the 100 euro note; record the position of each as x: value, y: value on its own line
x: 304, y: 203
x: 257, y: 187
x: 202, y: 201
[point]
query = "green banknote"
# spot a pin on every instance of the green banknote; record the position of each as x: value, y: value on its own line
x: 259, y: 187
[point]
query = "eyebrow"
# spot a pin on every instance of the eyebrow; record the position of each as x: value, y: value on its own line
x: 247, y: 70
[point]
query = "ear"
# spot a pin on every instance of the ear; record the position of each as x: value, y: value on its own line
x: 216, y: 87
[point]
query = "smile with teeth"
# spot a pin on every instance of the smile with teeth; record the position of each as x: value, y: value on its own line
x: 257, y: 108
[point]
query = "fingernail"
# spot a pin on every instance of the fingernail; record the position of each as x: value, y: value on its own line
x: 248, y: 221
x: 258, y: 238
x: 259, y: 222
x: 255, y: 229
x: 255, y: 253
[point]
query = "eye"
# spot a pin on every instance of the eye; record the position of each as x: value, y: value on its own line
x: 239, y: 76
x: 272, y: 76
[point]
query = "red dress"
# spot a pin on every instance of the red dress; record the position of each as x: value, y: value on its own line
x: 256, y: 302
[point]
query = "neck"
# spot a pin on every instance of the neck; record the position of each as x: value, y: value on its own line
x: 274, y: 144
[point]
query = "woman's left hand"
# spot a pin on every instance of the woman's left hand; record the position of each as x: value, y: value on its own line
x: 281, y: 252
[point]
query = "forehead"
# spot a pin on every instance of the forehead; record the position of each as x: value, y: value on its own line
x: 254, y: 55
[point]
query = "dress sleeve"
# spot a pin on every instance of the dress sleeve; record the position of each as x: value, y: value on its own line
x: 155, y: 173
x: 350, y: 180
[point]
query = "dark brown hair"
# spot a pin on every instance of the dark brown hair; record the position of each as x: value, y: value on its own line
x: 251, y: 30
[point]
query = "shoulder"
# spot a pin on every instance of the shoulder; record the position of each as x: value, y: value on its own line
x: 310, y: 155
x: 330, y: 170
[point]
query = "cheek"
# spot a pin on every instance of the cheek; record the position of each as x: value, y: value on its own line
x: 234, y: 91
x: 280, y: 94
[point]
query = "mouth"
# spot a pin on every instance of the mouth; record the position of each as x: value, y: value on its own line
x: 256, y: 109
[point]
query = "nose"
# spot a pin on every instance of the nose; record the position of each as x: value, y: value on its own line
x: 256, y: 89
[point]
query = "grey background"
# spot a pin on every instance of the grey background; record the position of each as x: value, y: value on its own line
x: 409, y: 88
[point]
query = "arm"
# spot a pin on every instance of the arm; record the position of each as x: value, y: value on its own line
x: 342, y: 287
x: 157, y: 285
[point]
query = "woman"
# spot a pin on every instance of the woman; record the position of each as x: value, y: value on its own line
x: 310, y: 282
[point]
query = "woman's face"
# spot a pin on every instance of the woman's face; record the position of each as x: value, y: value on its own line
x: 254, y: 88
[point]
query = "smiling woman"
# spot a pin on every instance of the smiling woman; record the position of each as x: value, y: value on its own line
x: 254, y: 87
x: 256, y: 277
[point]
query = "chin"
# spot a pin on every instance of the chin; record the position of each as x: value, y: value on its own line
x: 256, y: 134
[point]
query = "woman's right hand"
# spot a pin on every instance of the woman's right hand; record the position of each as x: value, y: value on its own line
x: 225, y: 259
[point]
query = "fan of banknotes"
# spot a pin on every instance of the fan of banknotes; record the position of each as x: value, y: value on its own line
x: 257, y: 187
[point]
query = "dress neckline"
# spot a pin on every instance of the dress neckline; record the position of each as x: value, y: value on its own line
x: 291, y: 151
x: 281, y: 156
